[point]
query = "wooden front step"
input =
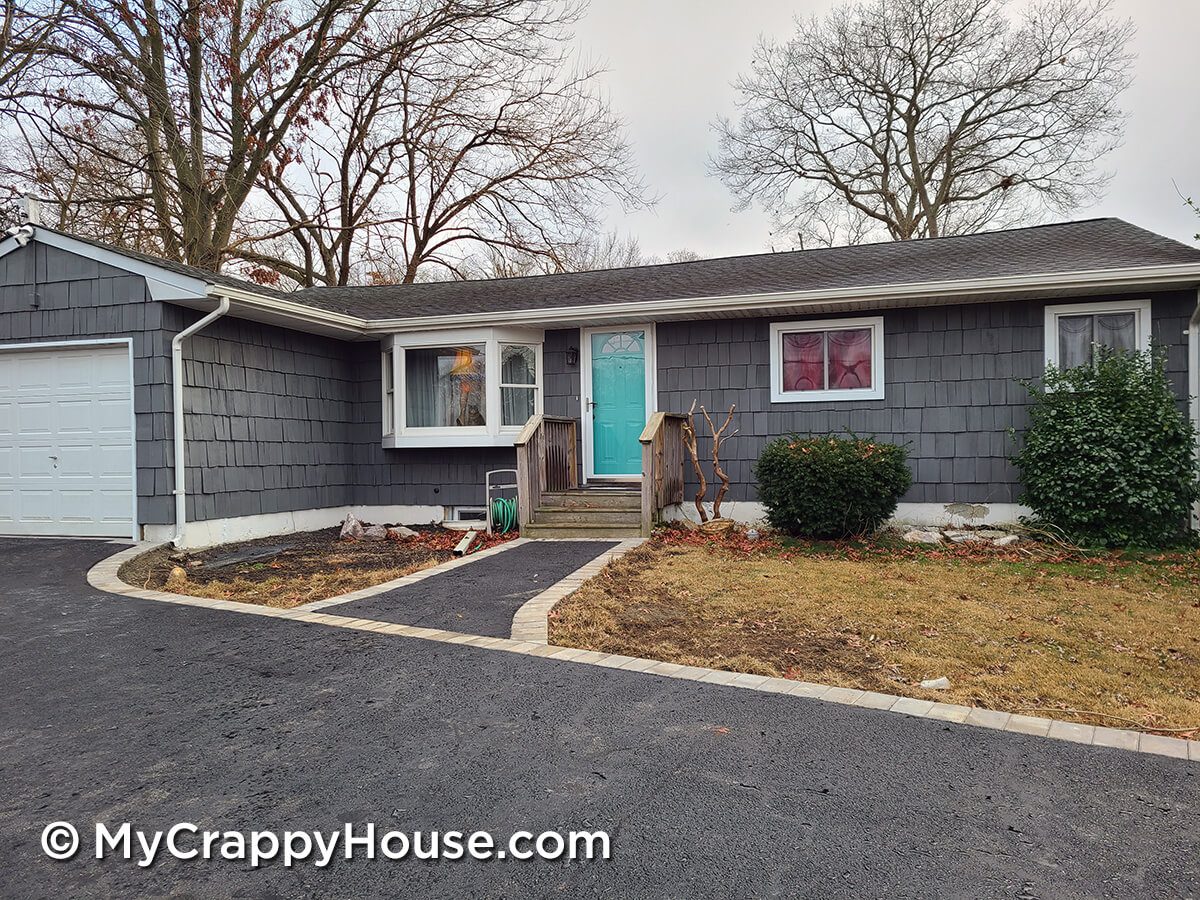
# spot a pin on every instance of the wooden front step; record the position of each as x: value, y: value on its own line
x: 598, y: 499
x: 575, y: 515
x: 580, y: 530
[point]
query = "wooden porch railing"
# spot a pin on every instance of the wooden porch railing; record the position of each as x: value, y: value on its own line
x: 662, y: 465
x: 546, y: 462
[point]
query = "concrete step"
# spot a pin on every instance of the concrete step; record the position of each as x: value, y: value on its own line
x: 574, y: 515
x: 581, y: 530
x: 604, y: 499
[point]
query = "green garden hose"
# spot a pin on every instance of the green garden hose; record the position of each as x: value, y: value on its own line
x: 504, y: 515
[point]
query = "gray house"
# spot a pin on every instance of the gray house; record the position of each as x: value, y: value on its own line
x: 395, y: 401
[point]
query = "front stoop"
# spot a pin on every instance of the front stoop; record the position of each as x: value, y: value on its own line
x: 587, y: 513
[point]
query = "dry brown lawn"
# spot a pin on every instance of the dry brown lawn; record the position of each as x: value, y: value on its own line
x: 291, y: 570
x: 1106, y: 641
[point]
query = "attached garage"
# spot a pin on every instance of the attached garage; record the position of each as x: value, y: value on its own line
x: 67, y: 439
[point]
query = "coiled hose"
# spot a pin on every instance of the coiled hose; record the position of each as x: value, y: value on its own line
x: 504, y: 515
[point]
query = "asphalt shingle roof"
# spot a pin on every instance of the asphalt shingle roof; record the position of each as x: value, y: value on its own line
x: 1088, y: 245
x: 1068, y: 247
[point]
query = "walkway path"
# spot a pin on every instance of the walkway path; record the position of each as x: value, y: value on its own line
x: 480, y: 598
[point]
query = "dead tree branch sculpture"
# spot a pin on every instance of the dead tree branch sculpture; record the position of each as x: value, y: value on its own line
x: 689, y: 441
x: 718, y: 438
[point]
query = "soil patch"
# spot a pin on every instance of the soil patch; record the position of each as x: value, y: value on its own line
x: 1108, y: 639
x: 293, y: 569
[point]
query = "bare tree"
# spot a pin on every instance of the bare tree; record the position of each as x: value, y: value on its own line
x: 104, y: 195
x: 689, y: 443
x: 482, y: 145
x: 1190, y: 204
x: 609, y: 250
x: 211, y: 94
x: 928, y: 117
x: 22, y: 36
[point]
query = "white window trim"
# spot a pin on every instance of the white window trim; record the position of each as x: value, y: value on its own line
x: 501, y: 385
x: 1140, y: 308
x: 388, y: 365
x: 493, y: 434
x: 874, y: 392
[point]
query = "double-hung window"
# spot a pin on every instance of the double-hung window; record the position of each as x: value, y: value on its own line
x: 518, y: 384
x: 1074, y: 331
x: 837, y: 359
x: 467, y: 387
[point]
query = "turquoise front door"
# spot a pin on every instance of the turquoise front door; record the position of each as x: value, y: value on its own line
x: 618, y: 401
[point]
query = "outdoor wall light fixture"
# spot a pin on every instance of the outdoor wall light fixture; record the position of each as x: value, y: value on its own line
x: 572, y: 356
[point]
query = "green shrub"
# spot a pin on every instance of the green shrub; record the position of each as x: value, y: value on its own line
x: 830, y: 487
x: 1108, y: 456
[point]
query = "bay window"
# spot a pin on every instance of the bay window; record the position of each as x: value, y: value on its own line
x: 1074, y: 331
x: 839, y: 359
x: 465, y: 387
x: 444, y: 387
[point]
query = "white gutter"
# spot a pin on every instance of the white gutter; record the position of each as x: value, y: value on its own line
x: 299, y: 311
x: 177, y: 414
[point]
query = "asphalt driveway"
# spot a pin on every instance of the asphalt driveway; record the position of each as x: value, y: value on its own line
x: 115, y: 709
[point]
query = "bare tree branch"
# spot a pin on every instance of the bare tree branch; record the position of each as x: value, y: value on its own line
x: 917, y: 118
x: 718, y: 437
x: 214, y: 98
x: 478, y: 145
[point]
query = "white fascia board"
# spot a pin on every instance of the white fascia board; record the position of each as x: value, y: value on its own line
x: 352, y: 326
x: 162, y: 283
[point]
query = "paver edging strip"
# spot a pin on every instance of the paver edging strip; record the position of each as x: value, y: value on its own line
x: 530, y: 622
x: 102, y: 576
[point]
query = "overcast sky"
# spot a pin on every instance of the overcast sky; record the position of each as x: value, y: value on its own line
x: 671, y: 63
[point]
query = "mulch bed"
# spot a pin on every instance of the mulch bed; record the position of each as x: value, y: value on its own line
x: 297, y: 568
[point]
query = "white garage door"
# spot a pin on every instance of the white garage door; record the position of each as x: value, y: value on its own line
x: 66, y: 441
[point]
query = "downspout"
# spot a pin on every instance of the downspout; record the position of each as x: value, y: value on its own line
x: 1193, y: 334
x: 177, y: 414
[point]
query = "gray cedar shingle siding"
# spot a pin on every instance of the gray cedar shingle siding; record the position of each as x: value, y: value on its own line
x: 278, y: 420
x: 951, y: 389
x: 281, y: 420
x: 270, y: 419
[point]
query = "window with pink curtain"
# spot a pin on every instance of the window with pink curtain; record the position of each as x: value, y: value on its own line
x: 827, y: 360
x: 804, y: 361
x: 849, y: 359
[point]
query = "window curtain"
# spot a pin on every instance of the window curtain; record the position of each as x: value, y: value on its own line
x: 1118, y: 331
x: 1074, y: 341
x: 804, y: 361
x: 518, y: 366
x: 1079, y: 335
x: 444, y: 387
x: 850, y: 359
x: 420, y: 399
